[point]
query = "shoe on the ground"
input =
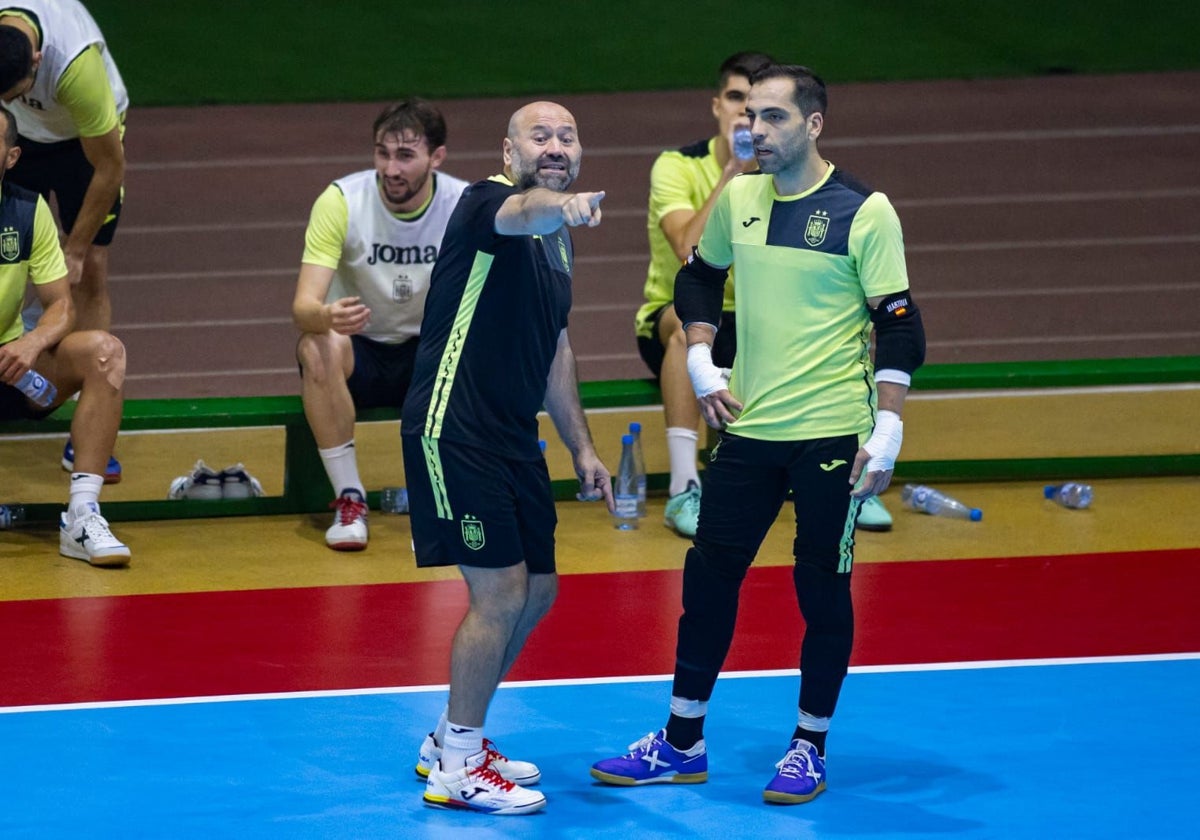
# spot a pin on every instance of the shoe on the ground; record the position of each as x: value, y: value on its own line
x: 520, y: 772
x: 112, y: 472
x: 479, y: 788
x: 800, y: 778
x: 652, y: 760
x: 683, y: 511
x: 236, y: 483
x: 203, y: 483
x: 349, y: 529
x: 873, y: 516
x: 89, y: 538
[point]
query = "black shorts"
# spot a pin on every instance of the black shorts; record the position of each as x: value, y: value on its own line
x: 724, y: 347
x: 63, y: 169
x: 16, y: 406
x: 382, y: 372
x: 469, y: 507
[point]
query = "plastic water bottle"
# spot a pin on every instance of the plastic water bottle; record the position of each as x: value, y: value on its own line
x: 11, y: 515
x: 1070, y: 495
x: 37, y: 387
x: 928, y: 500
x: 625, y: 518
x: 743, y: 143
x: 639, y: 466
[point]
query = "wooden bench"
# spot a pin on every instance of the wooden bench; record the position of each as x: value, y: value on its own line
x: 306, y: 488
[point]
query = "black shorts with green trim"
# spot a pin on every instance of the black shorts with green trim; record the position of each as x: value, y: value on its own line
x: 471, y: 507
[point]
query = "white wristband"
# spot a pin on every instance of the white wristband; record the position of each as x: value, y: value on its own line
x: 898, y: 377
x: 884, y: 443
x: 706, y: 377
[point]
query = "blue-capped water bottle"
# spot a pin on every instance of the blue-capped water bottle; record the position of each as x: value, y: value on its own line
x: 743, y: 143
x: 1073, y: 494
x: 639, y: 466
x: 936, y: 503
x: 625, y: 516
x: 37, y: 387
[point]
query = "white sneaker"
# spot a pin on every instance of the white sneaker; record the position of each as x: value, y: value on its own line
x: 203, y: 483
x: 479, y: 789
x: 520, y: 772
x: 349, y: 529
x: 236, y: 483
x: 89, y: 538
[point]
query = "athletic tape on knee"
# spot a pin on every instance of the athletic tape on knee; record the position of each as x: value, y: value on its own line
x: 112, y: 365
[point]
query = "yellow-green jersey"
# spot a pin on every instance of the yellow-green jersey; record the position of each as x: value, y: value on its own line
x: 29, y: 251
x: 681, y: 179
x: 78, y: 91
x: 806, y: 265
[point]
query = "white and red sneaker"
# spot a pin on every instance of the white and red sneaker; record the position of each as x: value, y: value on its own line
x: 349, y: 529
x: 521, y: 772
x: 479, y: 788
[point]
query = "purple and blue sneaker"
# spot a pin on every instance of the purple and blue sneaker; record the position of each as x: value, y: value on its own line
x: 800, y: 778
x: 652, y: 760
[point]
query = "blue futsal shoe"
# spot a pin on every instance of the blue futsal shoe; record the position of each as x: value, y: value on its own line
x: 112, y: 473
x: 652, y: 760
x: 800, y: 778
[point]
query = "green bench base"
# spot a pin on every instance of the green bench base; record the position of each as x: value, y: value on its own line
x: 307, y: 489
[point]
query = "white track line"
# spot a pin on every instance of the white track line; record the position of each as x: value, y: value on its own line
x: 729, y: 675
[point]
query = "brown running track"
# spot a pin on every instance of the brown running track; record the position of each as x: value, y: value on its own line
x: 1046, y: 218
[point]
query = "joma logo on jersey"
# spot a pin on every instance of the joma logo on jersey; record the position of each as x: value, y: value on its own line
x: 472, y: 531
x: 10, y: 244
x: 405, y: 255
x: 817, y: 227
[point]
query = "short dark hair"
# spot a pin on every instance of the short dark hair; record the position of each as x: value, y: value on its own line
x: 414, y: 114
x: 16, y: 57
x: 810, y: 96
x: 10, y: 127
x: 741, y: 64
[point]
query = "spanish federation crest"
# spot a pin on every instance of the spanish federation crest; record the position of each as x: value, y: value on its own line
x: 472, y: 531
x: 10, y: 244
x: 817, y: 227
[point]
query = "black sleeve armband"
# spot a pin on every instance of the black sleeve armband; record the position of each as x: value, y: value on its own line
x: 699, y: 291
x: 899, y: 334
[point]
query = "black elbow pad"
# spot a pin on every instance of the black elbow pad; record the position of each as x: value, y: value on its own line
x: 699, y: 291
x: 899, y: 334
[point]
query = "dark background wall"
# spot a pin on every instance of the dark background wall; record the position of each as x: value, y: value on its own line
x: 232, y: 51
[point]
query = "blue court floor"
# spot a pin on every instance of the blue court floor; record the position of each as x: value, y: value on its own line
x: 1089, y: 749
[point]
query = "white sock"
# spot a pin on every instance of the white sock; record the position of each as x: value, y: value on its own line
x: 681, y: 451
x: 341, y: 465
x: 439, y: 731
x: 85, y: 494
x: 460, y: 743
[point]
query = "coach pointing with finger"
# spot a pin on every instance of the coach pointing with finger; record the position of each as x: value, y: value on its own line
x: 494, y: 351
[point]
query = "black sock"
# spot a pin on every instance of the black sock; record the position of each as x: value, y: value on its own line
x: 817, y: 739
x: 683, y: 733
